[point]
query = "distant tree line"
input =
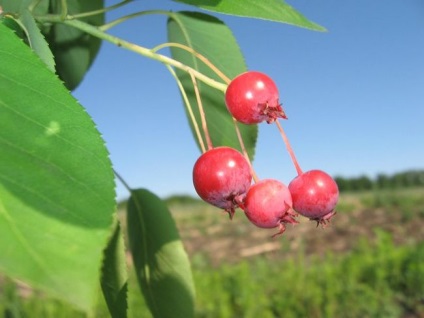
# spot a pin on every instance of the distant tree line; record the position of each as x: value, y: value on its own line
x: 411, y: 178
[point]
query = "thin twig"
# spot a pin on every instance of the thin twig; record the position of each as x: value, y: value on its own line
x: 189, y: 109
x: 100, y: 11
x: 202, y: 112
x: 201, y: 57
x: 122, y: 180
x: 96, y: 32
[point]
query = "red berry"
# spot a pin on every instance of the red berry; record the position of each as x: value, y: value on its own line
x: 252, y: 97
x: 221, y: 177
x: 268, y: 204
x: 315, y: 195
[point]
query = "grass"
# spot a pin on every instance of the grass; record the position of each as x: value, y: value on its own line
x: 379, y: 280
x: 368, y: 263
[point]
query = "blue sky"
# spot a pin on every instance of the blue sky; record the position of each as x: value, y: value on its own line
x: 354, y: 95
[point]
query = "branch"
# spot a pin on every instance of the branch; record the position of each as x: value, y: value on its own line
x: 98, y: 33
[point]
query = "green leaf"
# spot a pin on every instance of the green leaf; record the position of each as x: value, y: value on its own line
x: 56, y: 181
x: 14, y: 5
x: 114, y: 275
x: 73, y: 49
x: 214, y: 40
x: 16, y: 18
x: 161, y: 263
x: 14, y: 25
x: 36, y: 39
x: 273, y: 10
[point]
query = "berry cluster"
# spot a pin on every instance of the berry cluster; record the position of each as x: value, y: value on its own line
x: 223, y: 176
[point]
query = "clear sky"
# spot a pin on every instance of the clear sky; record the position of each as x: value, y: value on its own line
x: 354, y: 95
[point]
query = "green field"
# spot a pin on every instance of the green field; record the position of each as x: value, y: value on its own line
x: 368, y: 263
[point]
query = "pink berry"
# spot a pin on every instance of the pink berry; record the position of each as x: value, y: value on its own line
x: 268, y: 204
x: 315, y: 195
x: 252, y: 97
x: 221, y: 177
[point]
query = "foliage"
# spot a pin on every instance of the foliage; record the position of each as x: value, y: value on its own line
x: 58, y: 223
x: 410, y: 203
x: 181, y: 199
x: 376, y: 279
x: 55, y: 212
x: 160, y: 261
x: 412, y: 178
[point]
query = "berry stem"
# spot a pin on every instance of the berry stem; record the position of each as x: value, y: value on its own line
x: 243, y: 149
x: 189, y: 109
x: 196, y: 54
x: 289, y: 148
x: 202, y: 112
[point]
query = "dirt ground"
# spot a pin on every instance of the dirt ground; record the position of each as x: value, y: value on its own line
x: 217, y: 239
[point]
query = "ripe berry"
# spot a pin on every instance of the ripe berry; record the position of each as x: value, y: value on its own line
x: 221, y: 177
x: 315, y: 195
x: 252, y: 97
x: 268, y: 204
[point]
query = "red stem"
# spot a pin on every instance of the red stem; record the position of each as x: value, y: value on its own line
x: 243, y: 148
x: 289, y: 148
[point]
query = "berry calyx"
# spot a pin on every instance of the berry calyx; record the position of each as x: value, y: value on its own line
x: 221, y: 177
x: 315, y: 195
x: 252, y: 97
x: 268, y: 204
